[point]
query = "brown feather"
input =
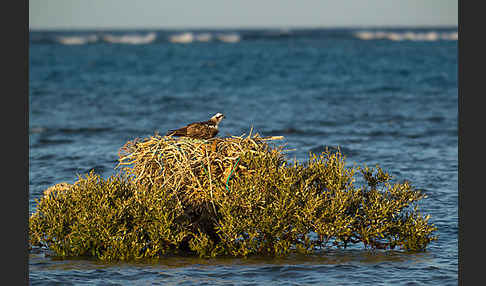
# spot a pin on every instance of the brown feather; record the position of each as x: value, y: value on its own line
x: 177, y: 132
x: 200, y: 130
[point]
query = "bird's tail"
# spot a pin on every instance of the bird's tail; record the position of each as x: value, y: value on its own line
x: 176, y: 132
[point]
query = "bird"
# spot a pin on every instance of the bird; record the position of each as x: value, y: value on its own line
x: 199, y: 130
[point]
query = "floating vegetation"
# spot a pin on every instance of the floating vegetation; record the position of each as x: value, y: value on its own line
x: 235, y: 196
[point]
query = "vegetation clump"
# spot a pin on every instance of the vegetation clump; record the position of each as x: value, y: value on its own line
x: 236, y: 196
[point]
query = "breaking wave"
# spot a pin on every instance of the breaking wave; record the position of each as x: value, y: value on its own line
x: 229, y: 38
x: 189, y: 37
x: 130, y: 39
x: 226, y: 36
x: 182, y: 38
x: 77, y: 40
x: 134, y: 39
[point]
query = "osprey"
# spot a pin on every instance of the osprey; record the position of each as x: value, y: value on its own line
x: 200, y: 130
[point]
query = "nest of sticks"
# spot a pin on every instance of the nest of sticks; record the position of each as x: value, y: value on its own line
x: 198, y: 170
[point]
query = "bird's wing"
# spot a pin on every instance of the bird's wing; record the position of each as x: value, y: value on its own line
x: 177, y: 132
x: 194, y: 128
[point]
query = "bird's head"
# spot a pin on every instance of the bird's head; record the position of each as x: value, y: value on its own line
x: 217, y: 118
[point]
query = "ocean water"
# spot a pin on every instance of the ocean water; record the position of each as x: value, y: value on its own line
x: 384, y: 96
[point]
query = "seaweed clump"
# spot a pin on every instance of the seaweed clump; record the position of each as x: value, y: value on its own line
x: 235, y: 196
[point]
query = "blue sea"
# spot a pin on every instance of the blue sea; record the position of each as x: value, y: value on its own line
x: 384, y: 96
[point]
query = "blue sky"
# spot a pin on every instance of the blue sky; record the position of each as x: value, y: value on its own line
x: 102, y: 14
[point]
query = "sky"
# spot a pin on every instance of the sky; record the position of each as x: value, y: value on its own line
x: 122, y: 14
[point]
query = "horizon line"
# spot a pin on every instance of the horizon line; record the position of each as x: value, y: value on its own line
x: 242, y: 27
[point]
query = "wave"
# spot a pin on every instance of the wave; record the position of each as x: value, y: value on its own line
x: 182, y: 38
x: 42, y: 142
x: 225, y: 36
x: 130, y: 39
x: 77, y: 40
x: 229, y: 38
x: 84, y: 130
x: 407, y: 36
x: 189, y: 37
x: 37, y: 129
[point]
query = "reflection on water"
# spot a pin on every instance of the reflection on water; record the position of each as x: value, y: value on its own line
x: 191, y: 270
x: 331, y: 257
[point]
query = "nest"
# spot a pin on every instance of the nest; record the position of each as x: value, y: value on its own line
x: 198, y: 170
